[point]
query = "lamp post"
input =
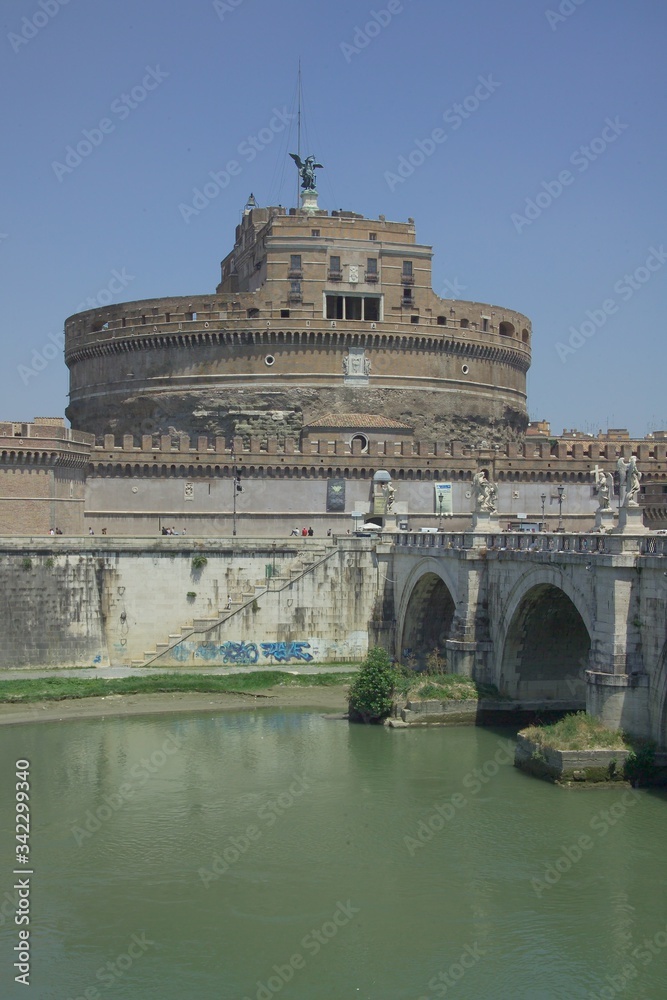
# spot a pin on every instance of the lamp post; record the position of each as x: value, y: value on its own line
x: 236, y: 488
x: 561, y: 497
x: 440, y: 500
x: 543, y: 498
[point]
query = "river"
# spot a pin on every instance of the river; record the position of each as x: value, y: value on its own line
x: 279, y: 853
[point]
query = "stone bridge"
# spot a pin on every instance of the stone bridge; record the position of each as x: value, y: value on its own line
x: 579, y: 619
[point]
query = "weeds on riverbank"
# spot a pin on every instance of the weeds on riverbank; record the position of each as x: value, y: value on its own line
x: 61, y: 688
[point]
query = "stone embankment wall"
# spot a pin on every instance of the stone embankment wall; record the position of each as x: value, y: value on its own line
x: 101, y: 601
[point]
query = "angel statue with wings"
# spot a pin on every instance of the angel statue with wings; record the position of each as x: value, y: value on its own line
x: 629, y: 476
x: 307, y: 170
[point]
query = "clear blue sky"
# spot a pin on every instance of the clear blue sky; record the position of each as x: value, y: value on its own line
x: 553, y: 82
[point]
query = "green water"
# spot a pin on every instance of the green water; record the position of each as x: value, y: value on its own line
x: 327, y: 891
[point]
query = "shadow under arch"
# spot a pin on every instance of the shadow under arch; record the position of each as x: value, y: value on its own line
x: 546, y: 648
x: 657, y: 702
x: 427, y: 619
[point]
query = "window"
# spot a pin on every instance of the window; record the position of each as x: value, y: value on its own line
x: 485, y: 324
x: 295, y: 262
x: 506, y: 330
x: 284, y: 313
x: 167, y: 317
x: 407, y: 295
x: 123, y: 322
x: 253, y: 313
x: 295, y: 286
x: 314, y: 232
x: 372, y: 236
x: 414, y: 319
x: 372, y: 310
x: 442, y: 321
x: 464, y: 324
x: 352, y: 307
x: 334, y: 263
x: 372, y: 265
x: 334, y: 307
x: 191, y: 315
x: 407, y: 268
x: 143, y: 321
x: 355, y: 307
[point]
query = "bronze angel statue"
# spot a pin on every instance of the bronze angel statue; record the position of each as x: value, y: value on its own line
x: 307, y: 170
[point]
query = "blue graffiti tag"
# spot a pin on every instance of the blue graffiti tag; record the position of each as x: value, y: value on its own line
x: 284, y: 651
x: 180, y: 652
x: 239, y: 652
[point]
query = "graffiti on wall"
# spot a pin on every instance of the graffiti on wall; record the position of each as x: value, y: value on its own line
x: 242, y: 653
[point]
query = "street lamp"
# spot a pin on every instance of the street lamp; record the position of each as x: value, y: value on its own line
x: 440, y: 500
x: 561, y: 497
x: 543, y: 498
x: 237, y: 488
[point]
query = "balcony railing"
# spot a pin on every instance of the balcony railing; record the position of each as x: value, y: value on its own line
x: 335, y: 275
x: 408, y: 279
x: 371, y: 278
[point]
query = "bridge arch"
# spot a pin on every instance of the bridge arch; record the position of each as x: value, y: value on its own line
x: 658, y: 724
x: 544, y: 640
x: 426, y: 613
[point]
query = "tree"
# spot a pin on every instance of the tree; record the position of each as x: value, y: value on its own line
x: 372, y: 693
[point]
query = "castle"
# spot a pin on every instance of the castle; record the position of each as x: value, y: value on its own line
x: 322, y: 359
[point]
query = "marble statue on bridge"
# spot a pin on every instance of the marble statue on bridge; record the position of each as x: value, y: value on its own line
x: 629, y: 476
x: 485, y: 493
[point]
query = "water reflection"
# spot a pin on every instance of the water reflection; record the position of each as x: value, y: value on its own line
x: 292, y: 817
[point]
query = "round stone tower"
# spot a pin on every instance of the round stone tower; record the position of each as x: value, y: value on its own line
x: 316, y: 314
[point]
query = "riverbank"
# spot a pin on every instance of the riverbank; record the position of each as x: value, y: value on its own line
x: 80, y: 699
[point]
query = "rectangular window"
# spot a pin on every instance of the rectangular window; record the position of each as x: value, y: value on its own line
x: 295, y: 286
x: 372, y: 310
x: 372, y: 265
x: 167, y: 317
x: 334, y: 263
x: 295, y: 262
x: 334, y: 306
x: 372, y: 236
x: 407, y: 294
x: 485, y: 324
x: 314, y: 232
x: 352, y: 307
x: 407, y: 268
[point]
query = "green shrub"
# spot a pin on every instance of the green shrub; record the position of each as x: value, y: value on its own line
x: 49, y: 563
x: 27, y: 562
x: 639, y: 768
x: 372, y: 693
x: 199, y: 561
x: 191, y: 594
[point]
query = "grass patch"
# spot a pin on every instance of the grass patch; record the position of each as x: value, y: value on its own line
x: 444, y: 687
x: 576, y: 732
x: 62, y: 688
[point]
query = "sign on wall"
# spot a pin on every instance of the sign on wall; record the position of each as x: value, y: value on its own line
x: 443, y: 498
x: 336, y: 494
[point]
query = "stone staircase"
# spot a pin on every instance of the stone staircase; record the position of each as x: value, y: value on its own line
x: 196, y: 628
